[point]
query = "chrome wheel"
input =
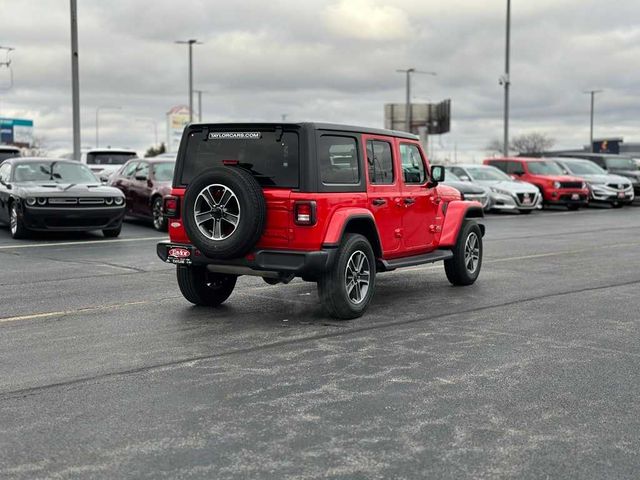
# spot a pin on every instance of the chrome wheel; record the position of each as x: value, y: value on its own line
x: 471, y: 253
x: 217, y: 212
x: 158, y: 215
x: 357, y: 277
x: 13, y: 222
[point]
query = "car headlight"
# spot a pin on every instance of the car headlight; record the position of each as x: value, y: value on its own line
x: 500, y: 191
x: 118, y: 200
x: 31, y: 201
x: 108, y: 201
x: 556, y: 184
x: 42, y: 201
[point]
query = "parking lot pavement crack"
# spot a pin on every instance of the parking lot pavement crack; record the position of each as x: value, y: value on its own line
x: 7, y: 395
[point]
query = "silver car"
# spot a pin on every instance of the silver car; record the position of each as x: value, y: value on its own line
x: 506, y: 193
x: 603, y: 187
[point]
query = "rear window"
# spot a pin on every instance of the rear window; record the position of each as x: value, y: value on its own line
x: 338, y: 158
x: 271, y: 156
x: 108, y: 158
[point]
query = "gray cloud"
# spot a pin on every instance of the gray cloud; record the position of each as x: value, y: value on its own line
x: 329, y: 60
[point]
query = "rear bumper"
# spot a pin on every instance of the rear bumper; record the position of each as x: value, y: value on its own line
x: 260, y: 262
x: 78, y: 219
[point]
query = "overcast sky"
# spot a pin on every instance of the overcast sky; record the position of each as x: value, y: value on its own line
x: 325, y: 60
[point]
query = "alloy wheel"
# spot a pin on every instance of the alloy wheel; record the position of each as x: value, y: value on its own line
x: 217, y: 212
x: 13, y: 222
x: 357, y: 277
x: 471, y: 253
x: 158, y: 216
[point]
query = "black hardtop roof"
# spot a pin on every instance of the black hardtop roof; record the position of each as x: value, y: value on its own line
x: 316, y: 126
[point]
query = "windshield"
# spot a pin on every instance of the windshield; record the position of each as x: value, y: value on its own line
x: 4, y: 154
x: 163, y: 172
x: 109, y: 158
x: 59, y: 172
x: 622, y: 163
x: 544, y: 168
x: 577, y: 167
x: 488, y: 174
x: 450, y: 176
x: 271, y: 156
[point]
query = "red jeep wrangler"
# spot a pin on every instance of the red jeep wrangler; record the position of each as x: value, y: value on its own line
x: 332, y: 204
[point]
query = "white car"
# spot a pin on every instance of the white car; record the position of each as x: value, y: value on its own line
x: 8, y: 151
x: 104, y: 162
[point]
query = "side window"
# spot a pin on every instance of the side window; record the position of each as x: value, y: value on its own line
x: 413, y: 169
x: 380, y: 162
x: 142, y: 170
x: 129, y: 169
x: 4, y: 172
x: 500, y: 164
x: 338, y: 158
x: 515, y: 168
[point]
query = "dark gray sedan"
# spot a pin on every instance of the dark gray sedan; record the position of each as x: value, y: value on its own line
x: 38, y: 194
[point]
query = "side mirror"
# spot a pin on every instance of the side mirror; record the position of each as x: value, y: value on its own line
x: 437, y: 176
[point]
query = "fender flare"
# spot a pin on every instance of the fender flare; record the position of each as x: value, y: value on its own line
x: 341, y: 219
x: 457, y: 212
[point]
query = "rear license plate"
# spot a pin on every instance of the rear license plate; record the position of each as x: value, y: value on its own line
x: 575, y: 196
x: 179, y: 255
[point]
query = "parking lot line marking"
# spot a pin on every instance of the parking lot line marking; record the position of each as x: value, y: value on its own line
x: 70, y: 312
x: 80, y: 242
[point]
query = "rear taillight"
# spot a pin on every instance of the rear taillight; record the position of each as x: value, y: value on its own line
x: 171, y: 206
x: 304, y: 213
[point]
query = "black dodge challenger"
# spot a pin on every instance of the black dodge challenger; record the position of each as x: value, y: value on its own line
x: 39, y: 194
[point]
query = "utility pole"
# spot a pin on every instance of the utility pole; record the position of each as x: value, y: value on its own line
x: 506, y: 81
x: 593, y: 94
x: 191, y: 43
x: 75, y: 82
x: 407, y: 113
x: 284, y: 117
x: 7, y: 64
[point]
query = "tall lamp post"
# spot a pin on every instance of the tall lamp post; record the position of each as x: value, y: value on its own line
x: 191, y: 43
x: 505, y: 80
x: 200, y: 92
x: 407, y: 107
x: 593, y: 94
x: 75, y: 82
x: 102, y: 107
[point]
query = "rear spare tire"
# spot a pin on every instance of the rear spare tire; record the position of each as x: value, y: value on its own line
x: 224, y: 212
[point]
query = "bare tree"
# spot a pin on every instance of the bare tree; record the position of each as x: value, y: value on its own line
x: 534, y: 142
x: 37, y: 149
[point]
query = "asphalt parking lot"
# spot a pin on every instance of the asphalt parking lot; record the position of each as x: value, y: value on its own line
x: 106, y: 372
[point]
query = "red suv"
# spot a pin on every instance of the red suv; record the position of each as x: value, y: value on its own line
x: 556, y: 187
x: 331, y: 204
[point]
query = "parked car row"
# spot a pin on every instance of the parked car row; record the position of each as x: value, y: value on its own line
x: 525, y: 184
x: 46, y: 194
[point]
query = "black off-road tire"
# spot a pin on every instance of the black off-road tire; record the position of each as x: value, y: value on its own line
x: 205, y: 288
x: 332, y: 285
x: 17, y: 229
x: 112, y: 232
x: 457, y: 268
x: 157, y: 214
x: 252, y: 210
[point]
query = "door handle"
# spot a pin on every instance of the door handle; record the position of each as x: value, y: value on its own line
x: 409, y: 201
x: 379, y: 201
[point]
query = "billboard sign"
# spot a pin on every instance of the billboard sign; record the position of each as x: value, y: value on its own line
x: 607, y: 145
x: 16, y: 131
x: 177, y: 119
x: 433, y: 118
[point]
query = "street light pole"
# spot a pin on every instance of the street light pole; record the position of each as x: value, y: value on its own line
x: 191, y: 43
x: 407, y: 107
x: 102, y: 107
x: 200, y: 92
x: 75, y: 82
x: 506, y: 81
x: 593, y: 94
